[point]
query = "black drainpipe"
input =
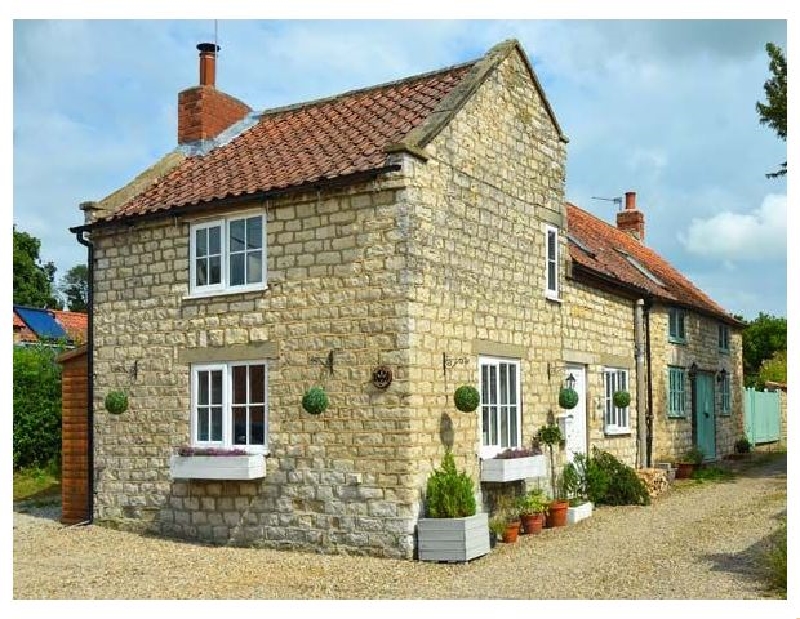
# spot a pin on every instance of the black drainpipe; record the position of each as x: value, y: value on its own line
x: 90, y: 345
x: 649, y: 415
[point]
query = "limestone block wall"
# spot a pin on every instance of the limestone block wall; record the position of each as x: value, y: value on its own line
x: 477, y: 263
x: 337, y: 280
x: 673, y: 437
x: 599, y: 333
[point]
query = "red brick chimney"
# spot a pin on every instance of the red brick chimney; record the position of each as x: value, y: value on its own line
x: 631, y: 220
x: 203, y: 111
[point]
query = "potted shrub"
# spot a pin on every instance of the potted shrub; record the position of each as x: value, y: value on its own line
x: 691, y: 460
x: 742, y: 446
x: 513, y: 464
x: 557, y: 510
x: 452, y: 529
x: 532, y: 507
x: 509, y: 512
x: 575, y: 489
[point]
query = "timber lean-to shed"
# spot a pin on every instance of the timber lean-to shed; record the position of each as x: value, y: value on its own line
x: 75, y: 500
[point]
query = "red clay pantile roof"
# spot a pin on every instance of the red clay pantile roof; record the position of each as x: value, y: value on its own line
x: 303, y: 143
x: 604, y: 242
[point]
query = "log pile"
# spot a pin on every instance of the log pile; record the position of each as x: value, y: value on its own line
x: 655, y: 480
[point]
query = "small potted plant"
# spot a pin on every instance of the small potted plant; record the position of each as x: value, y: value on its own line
x: 742, y: 446
x: 691, y: 460
x: 509, y: 512
x: 497, y: 526
x: 574, y: 488
x: 532, y: 507
x: 550, y: 435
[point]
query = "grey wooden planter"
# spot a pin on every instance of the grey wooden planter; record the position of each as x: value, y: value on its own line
x: 453, y: 539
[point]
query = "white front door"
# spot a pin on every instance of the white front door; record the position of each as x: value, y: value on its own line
x: 575, y: 426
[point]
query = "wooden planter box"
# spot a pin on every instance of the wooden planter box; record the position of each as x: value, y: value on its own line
x: 218, y: 467
x: 513, y: 469
x: 453, y: 539
x: 576, y: 514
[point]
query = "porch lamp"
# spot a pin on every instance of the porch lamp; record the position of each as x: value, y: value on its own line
x: 693, y: 368
x: 569, y: 382
x: 721, y: 376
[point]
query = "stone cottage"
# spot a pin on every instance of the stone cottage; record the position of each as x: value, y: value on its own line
x: 388, y: 244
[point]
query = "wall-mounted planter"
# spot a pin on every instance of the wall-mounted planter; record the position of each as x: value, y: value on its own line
x: 251, y: 466
x: 576, y: 514
x: 453, y: 539
x: 513, y: 469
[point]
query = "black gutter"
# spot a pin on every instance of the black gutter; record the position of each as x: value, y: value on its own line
x: 648, y: 303
x: 176, y: 211
x: 90, y: 370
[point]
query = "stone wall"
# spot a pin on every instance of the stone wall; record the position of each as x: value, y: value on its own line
x: 477, y: 263
x: 599, y: 333
x: 673, y: 436
x: 337, y: 280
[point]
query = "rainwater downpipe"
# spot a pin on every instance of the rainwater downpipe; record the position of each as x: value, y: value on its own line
x: 80, y: 236
x: 649, y: 439
x: 640, y: 352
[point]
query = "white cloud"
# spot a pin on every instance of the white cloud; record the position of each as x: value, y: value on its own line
x: 758, y: 235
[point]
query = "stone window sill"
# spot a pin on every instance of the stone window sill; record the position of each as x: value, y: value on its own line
x: 224, y: 293
x: 611, y: 432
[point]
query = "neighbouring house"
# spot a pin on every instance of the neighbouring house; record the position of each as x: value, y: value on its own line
x: 33, y: 325
x: 388, y: 244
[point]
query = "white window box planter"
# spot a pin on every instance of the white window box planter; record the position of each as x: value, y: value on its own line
x: 576, y: 514
x: 513, y: 469
x: 453, y: 539
x: 250, y: 466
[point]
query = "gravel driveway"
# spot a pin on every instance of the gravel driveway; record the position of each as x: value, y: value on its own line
x: 701, y: 541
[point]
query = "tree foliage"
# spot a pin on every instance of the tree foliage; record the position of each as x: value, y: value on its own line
x: 773, y: 369
x: 37, y: 406
x: 33, y: 281
x: 75, y: 288
x: 773, y: 111
x: 761, y: 339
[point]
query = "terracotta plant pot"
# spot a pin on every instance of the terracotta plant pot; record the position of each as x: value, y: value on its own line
x: 533, y: 524
x: 557, y: 514
x: 511, y: 532
x: 684, y: 470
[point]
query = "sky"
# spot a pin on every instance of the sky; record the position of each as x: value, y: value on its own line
x: 665, y: 108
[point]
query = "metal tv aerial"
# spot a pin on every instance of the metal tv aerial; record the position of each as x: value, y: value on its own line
x: 617, y: 200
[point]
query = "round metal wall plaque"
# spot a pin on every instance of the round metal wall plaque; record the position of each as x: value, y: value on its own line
x: 381, y: 377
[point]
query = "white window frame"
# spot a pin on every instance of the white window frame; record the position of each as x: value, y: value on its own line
x: 551, y: 289
x: 611, y: 413
x: 224, y: 286
x: 491, y: 450
x: 227, y: 405
x: 724, y: 337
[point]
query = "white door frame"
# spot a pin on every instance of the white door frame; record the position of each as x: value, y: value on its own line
x: 577, y: 414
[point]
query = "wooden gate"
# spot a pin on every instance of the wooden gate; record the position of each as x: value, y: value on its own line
x: 762, y: 415
x: 74, y: 436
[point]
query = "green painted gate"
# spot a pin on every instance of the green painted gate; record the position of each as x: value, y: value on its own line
x: 762, y: 415
x: 705, y: 421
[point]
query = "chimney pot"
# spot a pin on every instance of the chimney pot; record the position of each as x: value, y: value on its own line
x: 630, y: 200
x: 208, y: 57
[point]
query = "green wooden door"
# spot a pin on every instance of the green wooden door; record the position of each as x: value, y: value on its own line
x: 705, y: 421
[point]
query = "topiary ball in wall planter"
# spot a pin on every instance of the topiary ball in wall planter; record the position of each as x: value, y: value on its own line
x: 567, y: 398
x: 116, y: 402
x: 621, y: 399
x: 466, y: 398
x: 315, y: 401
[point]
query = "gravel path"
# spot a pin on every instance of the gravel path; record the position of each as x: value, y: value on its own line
x: 697, y: 542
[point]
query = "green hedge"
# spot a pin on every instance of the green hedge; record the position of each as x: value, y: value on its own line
x: 37, y: 407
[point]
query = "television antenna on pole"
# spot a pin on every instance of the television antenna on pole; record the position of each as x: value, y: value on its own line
x: 617, y: 200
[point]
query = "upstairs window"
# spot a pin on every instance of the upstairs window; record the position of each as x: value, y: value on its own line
x: 724, y: 338
x: 227, y: 255
x: 551, y: 262
x: 677, y: 325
